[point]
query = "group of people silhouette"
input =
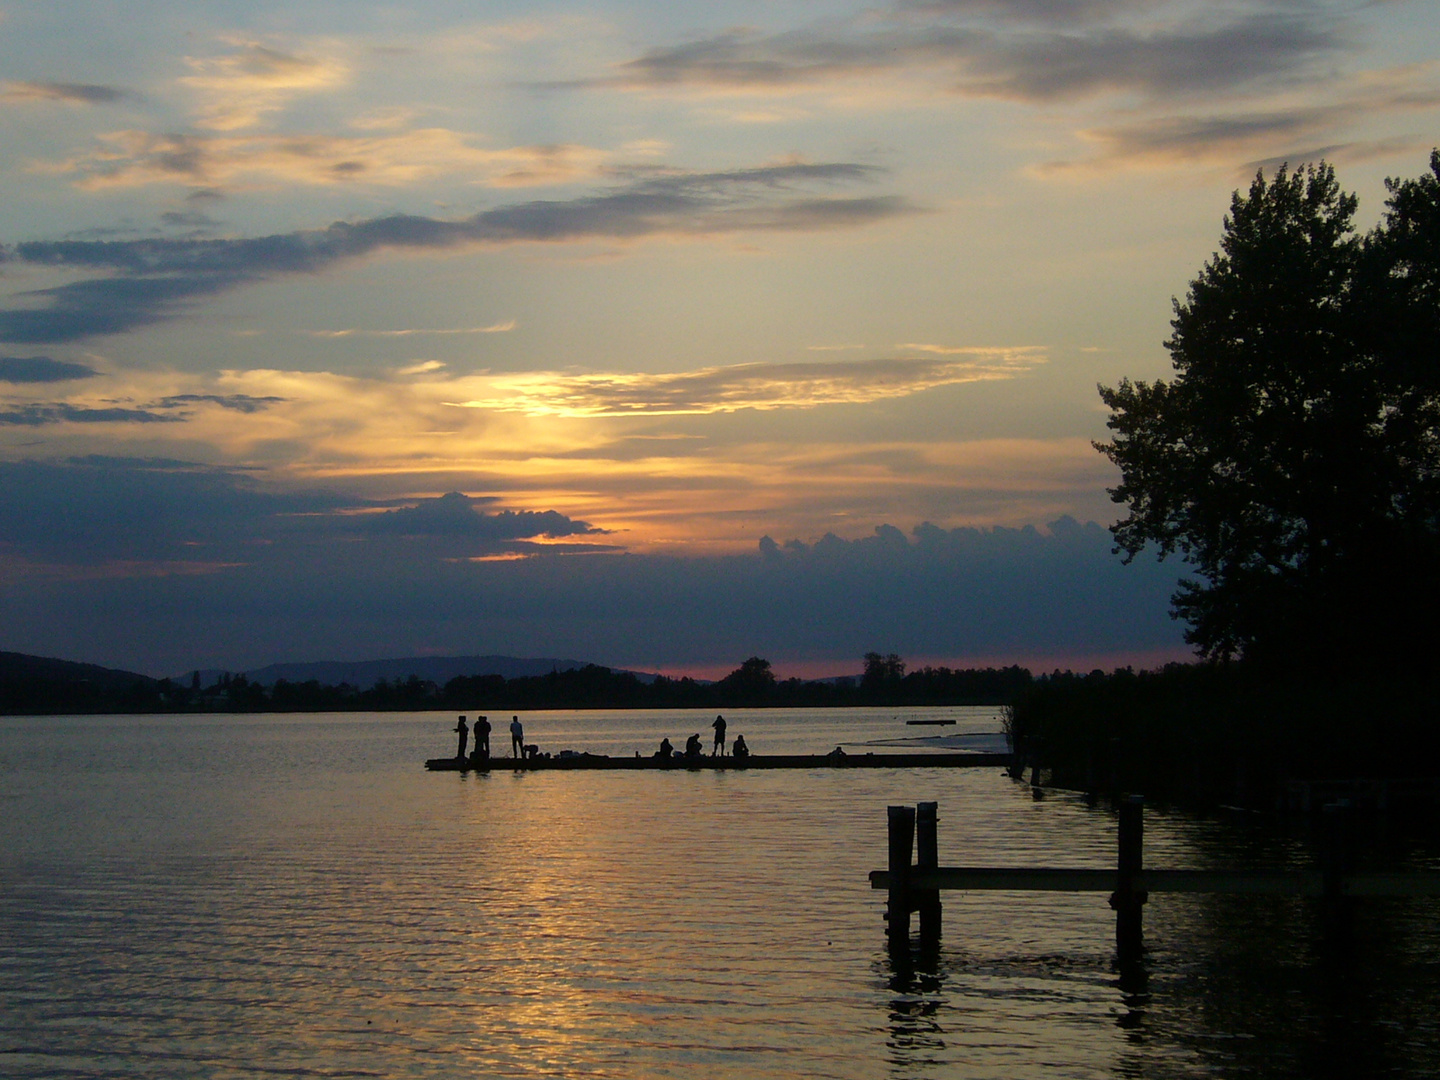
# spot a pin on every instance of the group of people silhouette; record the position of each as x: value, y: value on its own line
x: 694, y: 749
x: 482, y: 737
x: 518, y: 749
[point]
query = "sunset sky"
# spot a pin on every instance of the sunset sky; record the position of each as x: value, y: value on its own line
x: 652, y: 334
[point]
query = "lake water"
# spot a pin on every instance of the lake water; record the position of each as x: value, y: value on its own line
x: 241, y: 896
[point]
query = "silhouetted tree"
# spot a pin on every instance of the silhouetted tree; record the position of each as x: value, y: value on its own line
x: 751, y: 683
x: 881, y: 672
x: 1293, y: 460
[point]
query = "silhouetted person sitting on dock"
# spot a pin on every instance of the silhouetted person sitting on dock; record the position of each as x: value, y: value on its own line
x: 719, y: 726
x: 464, y: 730
x: 517, y: 737
x: 692, y: 746
x: 740, y: 750
x: 666, y: 750
x: 482, y: 738
x: 838, y: 752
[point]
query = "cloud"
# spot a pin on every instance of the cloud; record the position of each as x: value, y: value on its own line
x: 455, y: 514
x: 210, y: 569
x: 1231, y: 138
x: 745, y: 386
x: 83, y: 309
x: 126, y: 512
x: 494, y: 328
x: 197, y: 222
x: 241, y: 403
x: 61, y: 413
x: 1352, y: 151
x: 747, y: 60
x: 1030, y: 11
x: 99, y: 509
x: 149, y: 280
x: 132, y: 158
x: 968, y: 350
x: 1036, y: 66
x: 240, y: 89
x: 68, y: 93
x: 41, y: 369
x: 1159, y: 64
x: 669, y: 464
x: 168, y: 410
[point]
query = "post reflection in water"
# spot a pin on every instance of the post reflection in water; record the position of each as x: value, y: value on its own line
x: 916, y: 1007
x: 1134, y: 986
x: 931, y: 993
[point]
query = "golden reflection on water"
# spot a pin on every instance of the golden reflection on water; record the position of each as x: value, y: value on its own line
x: 226, y: 896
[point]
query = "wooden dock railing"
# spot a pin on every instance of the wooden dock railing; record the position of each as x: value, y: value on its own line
x: 916, y: 887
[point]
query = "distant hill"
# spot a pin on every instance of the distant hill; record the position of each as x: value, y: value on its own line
x: 41, y: 684
x: 17, y: 667
x: 366, y: 673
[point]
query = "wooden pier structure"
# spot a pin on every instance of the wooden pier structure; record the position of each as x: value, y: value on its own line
x: 916, y: 887
x: 563, y: 762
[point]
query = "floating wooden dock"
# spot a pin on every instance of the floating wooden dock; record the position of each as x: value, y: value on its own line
x: 938, y: 760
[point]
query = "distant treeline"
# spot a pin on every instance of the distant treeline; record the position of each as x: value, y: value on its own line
x: 1218, y: 733
x: 885, y: 682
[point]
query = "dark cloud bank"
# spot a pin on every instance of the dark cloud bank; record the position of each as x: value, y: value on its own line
x: 142, y: 281
x: 168, y: 410
x: 1058, y: 52
x: 41, y: 369
x: 163, y: 566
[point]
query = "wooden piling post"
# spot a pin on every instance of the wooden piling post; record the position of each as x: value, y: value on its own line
x: 1332, y: 849
x: 927, y: 857
x: 1336, y: 861
x: 902, y: 842
x: 1018, y: 744
x: 1127, y: 900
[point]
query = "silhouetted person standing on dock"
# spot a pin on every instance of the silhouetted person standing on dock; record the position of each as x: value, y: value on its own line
x: 517, y: 737
x: 482, y: 737
x: 464, y: 730
x: 719, y: 726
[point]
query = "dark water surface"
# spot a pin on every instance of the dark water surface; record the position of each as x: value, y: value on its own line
x: 293, y: 895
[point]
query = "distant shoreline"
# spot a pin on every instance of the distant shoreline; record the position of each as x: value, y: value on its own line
x: 492, y: 708
x: 36, y: 686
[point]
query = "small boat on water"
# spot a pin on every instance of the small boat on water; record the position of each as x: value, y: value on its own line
x: 930, y: 723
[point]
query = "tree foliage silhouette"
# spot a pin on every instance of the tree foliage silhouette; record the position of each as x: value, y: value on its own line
x: 753, y: 680
x: 1293, y: 460
x: 882, y: 672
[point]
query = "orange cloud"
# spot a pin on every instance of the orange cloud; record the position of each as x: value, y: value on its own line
x: 134, y: 158
x: 745, y: 386
x: 240, y: 89
x: 682, y: 489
